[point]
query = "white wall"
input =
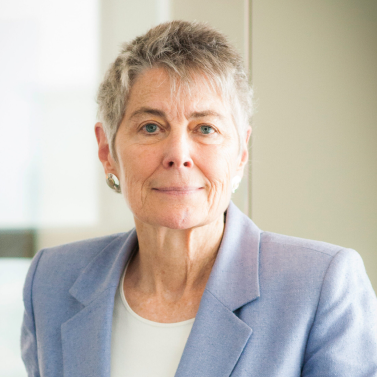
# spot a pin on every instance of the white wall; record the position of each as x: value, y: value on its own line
x: 119, y: 21
x: 314, y: 165
x: 47, y: 74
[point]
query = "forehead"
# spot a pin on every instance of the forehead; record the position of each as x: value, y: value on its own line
x: 155, y: 88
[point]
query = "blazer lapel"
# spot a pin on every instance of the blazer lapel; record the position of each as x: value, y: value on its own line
x: 218, y: 336
x: 215, y: 343
x: 86, y: 337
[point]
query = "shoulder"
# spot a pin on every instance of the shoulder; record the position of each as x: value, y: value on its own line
x: 300, y: 253
x: 307, y: 264
x: 80, y: 253
x: 62, y: 264
x: 281, y: 243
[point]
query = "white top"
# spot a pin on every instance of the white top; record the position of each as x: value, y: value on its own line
x: 143, y: 348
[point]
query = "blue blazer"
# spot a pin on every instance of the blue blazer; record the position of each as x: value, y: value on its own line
x: 274, y: 306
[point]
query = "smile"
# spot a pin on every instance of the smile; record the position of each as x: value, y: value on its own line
x: 178, y: 190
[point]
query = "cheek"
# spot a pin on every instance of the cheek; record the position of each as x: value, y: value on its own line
x: 218, y: 166
x: 137, y: 164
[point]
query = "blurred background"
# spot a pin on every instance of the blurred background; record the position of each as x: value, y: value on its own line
x: 313, y: 153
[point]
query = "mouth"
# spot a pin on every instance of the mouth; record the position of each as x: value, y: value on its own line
x: 179, y: 190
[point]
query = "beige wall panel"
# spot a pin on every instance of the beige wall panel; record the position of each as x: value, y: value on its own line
x: 314, y: 153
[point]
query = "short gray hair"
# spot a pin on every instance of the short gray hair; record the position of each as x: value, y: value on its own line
x: 183, y: 49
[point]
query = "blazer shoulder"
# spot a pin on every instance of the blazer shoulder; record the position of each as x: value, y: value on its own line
x: 282, y: 243
x: 65, y: 262
x: 84, y: 249
x: 302, y: 259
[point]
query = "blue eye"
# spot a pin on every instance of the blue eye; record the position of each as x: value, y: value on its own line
x: 206, y: 130
x: 150, y: 128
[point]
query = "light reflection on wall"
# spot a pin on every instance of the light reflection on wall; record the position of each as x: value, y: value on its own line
x: 48, y: 72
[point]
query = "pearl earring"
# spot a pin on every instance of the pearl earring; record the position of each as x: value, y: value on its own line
x: 113, y: 182
x: 235, y: 183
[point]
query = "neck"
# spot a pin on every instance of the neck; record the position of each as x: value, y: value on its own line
x: 173, y: 263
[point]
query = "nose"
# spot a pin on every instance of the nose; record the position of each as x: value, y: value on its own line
x: 177, y: 152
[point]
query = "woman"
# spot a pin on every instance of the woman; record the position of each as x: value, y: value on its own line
x: 196, y: 289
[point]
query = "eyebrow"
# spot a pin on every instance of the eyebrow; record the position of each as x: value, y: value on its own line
x: 148, y: 110
x: 196, y: 114
x: 206, y: 113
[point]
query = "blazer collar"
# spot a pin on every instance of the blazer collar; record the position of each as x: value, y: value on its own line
x: 105, y: 270
x: 86, y: 337
x: 218, y: 336
x: 234, y: 279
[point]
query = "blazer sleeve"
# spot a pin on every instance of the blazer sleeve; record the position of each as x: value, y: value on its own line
x: 343, y: 338
x: 29, y: 351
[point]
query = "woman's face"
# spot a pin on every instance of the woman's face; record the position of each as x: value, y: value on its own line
x: 176, y: 155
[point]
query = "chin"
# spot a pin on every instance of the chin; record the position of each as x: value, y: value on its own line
x: 181, y: 219
x: 176, y: 218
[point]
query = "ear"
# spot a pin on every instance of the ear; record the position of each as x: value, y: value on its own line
x: 244, y: 153
x: 104, y: 155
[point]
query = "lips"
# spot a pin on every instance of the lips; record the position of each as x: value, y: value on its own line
x: 178, y: 190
